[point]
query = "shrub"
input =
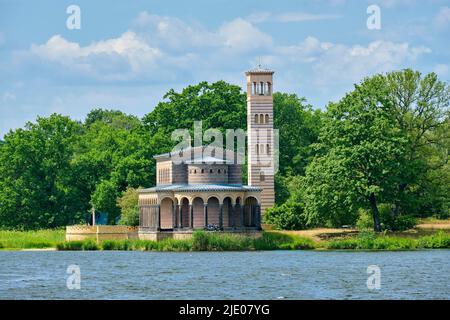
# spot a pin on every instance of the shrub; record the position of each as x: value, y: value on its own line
x: 365, y: 220
x: 288, y: 216
x: 200, y: 241
x: 89, y: 245
x: 439, y: 240
x: 70, y: 245
x: 129, y: 209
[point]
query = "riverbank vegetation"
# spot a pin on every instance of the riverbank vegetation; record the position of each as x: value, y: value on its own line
x: 36, y: 239
x: 211, y: 241
x: 377, y: 158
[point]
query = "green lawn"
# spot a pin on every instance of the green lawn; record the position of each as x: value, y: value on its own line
x: 205, y: 241
x: 31, y: 239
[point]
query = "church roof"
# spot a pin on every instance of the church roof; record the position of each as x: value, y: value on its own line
x: 199, y: 188
x: 208, y: 159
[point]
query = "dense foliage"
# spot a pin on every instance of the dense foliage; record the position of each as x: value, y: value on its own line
x: 381, y: 150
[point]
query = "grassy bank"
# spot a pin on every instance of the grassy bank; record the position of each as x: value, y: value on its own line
x: 205, y: 241
x: 371, y: 241
x: 201, y: 241
x: 38, y: 239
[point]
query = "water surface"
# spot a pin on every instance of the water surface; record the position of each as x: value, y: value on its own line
x: 225, y: 275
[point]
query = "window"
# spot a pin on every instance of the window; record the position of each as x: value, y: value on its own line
x: 261, y: 176
x: 203, y: 170
x: 261, y: 118
x: 195, y: 171
x: 267, y: 118
x: 210, y: 170
x: 218, y: 171
x: 261, y: 149
x: 225, y: 171
x: 257, y: 149
x: 261, y: 92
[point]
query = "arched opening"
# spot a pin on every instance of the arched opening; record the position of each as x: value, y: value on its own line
x: 227, y: 213
x: 261, y: 118
x: 184, y: 213
x: 166, y: 213
x: 269, y: 88
x: 261, y: 84
x: 268, y: 148
x: 267, y: 118
x: 199, y: 219
x: 213, y: 211
x: 256, y: 118
x: 250, y: 211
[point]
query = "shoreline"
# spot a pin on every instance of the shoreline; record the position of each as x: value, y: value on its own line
x: 320, y: 239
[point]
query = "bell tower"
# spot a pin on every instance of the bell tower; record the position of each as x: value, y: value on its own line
x: 260, y: 134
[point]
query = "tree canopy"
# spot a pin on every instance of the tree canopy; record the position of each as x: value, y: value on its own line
x: 384, y: 145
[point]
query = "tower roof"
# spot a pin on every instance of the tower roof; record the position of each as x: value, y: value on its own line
x: 259, y: 70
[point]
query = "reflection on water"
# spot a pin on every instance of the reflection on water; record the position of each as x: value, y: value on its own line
x: 225, y: 275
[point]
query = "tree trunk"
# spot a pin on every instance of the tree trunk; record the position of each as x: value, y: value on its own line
x: 375, y: 213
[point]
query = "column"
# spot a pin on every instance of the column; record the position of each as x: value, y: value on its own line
x: 180, y: 209
x: 174, y: 216
x: 191, y: 216
x: 205, y: 214
x: 233, y: 216
x: 158, y: 217
x: 221, y: 216
x: 258, y: 216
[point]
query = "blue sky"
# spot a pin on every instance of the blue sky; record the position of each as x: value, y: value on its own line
x: 127, y: 54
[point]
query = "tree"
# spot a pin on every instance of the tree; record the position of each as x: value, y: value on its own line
x: 129, y: 209
x: 363, y: 154
x: 38, y: 186
x: 115, y: 153
x: 421, y: 106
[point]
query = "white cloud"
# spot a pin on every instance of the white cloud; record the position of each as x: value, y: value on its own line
x: 241, y: 35
x: 128, y: 50
x: 259, y: 17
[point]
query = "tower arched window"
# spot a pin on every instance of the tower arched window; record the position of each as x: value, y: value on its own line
x: 254, y: 88
x: 257, y: 149
x: 256, y: 118
x: 261, y: 90
x: 262, y: 177
x: 268, y: 148
x: 261, y: 118
x: 267, y: 118
x: 269, y: 88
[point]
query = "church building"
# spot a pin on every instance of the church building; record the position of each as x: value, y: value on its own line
x: 204, y: 190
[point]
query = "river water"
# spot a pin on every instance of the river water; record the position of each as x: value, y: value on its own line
x: 225, y: 275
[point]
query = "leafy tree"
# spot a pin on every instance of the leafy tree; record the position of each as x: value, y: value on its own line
x: 363, y: 153
x: 421, y: 105
x: 115, y: 153
x: 129, y: 209
x: 38, y: 186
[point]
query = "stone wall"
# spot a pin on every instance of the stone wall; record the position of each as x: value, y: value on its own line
x: 100, y: 232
